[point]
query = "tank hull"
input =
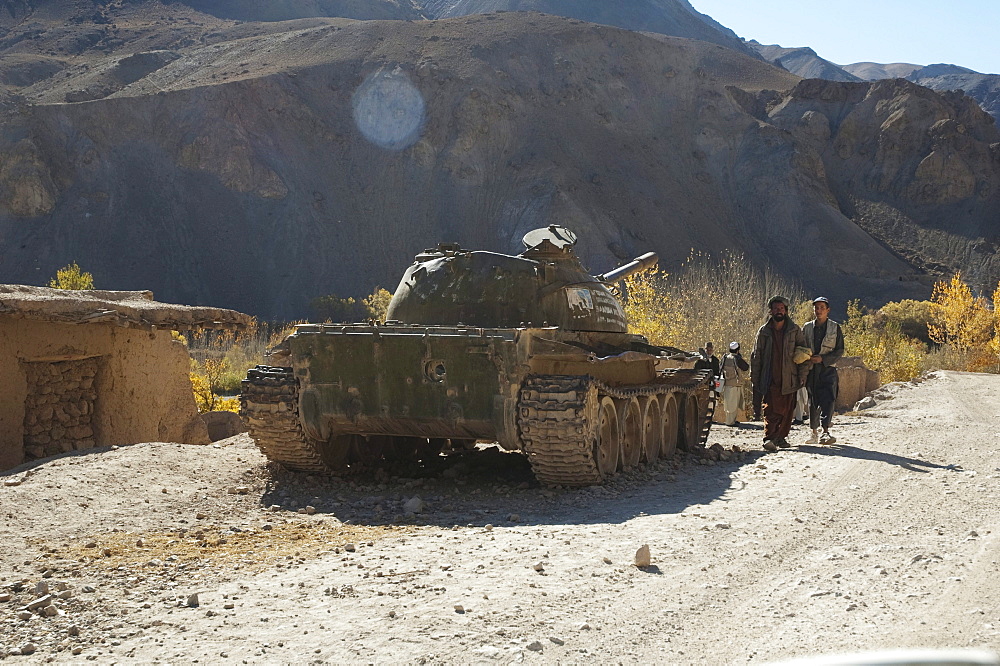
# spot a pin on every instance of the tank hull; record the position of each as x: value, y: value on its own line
x: 444, y: 382
x: 353, y: 392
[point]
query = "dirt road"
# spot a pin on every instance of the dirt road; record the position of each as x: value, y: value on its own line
x: 887, y: 538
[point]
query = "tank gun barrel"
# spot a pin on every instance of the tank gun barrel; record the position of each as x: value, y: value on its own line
x: 634, y: 266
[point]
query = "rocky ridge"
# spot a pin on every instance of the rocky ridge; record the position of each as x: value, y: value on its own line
x: 230, y: 163
x: 676, y: 18
x: 804, y: 62
x: 984, y: 88
x: 933, y: 158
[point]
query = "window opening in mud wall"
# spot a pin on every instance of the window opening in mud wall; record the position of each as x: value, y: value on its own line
x: 59, y: 408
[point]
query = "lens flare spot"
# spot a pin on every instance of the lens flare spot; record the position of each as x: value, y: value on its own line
x: 389, y: 110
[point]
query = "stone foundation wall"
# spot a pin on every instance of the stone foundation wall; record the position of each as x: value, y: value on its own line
x: 59, y: 407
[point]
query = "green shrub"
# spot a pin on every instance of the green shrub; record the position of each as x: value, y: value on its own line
x: 336, y: 309
x: 881, y: 344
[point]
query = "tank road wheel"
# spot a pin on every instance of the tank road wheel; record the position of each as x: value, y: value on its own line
x: 376, y: 448
x: 630, y: 423
x: 462, y: 444
x: 651, y: 428
x: 269, y: 405
x: 402, y: 449
x: 607, y: 444
x: 433, y: 448
x: 691, y: 423
x: 670, y: 427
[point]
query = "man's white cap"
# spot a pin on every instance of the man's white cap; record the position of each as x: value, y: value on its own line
x: 734, y: 346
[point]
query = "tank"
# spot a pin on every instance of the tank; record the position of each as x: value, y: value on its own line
x: 529, y: 351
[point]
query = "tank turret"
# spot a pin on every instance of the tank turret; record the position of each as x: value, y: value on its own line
x: 546, y: 285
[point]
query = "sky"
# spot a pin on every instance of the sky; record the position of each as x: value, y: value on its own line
x: 922, y: 32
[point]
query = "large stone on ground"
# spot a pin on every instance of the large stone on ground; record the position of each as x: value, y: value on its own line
x: 223, y: 424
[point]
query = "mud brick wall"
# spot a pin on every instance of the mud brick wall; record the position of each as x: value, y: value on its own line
x: 59, y: 407
x: 106, y: 385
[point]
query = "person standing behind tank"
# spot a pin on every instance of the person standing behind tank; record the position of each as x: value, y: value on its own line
x: 708, y: 360
x: 733, y: 366
x: 774, y: 373
x: 826, y: 339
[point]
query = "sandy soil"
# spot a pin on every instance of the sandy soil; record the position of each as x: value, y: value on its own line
x: 886, y: 539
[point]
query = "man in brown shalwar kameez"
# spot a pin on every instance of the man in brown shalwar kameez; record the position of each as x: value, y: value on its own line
x: 774, y: 373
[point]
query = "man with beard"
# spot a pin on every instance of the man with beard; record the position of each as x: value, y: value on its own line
x: 708, y: 360
x: 775, y: 374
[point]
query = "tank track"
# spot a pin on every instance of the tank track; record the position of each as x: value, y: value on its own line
x: 269, y: 402
x: 557, y: 419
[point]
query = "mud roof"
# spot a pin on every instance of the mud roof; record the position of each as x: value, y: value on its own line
x: 124, y: 308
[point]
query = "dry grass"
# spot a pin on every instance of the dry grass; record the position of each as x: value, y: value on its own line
x: 254, y: 548
x: 722, y: 299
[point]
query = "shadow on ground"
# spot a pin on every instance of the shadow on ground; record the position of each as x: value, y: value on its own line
x: 491, y: 486
x: 843, y: 450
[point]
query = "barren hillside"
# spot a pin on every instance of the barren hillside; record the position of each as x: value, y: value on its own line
x: 804, y: 62
x: 259, y: 165
x: 984, y: 88
x: 886, y: 539
x: 676, y: 18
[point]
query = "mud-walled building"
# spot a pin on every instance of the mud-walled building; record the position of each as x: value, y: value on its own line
x: 80, y: 369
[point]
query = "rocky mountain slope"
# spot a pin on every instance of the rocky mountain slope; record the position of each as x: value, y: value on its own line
x: 984, y: 88
x: 676, y: 18
x: 259, y: 165
x: 286, y: 10
x: 804, y: 62
x: 914, y: 168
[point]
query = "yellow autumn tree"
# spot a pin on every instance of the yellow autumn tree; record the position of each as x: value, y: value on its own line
x: 648, y: 308
x: 377, y: 303
x: 719, y: 298
x: 995, y: 340
x: 912, y: 317
x: 203, y: 396
x: 71, y: 277
x: 961, y: 321
x: 881, y: 344
x: 206, y: 381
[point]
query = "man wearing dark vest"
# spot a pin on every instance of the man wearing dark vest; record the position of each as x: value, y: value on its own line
x: 775, y: 374
x: 826, y: 339
x: 708, y: 359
